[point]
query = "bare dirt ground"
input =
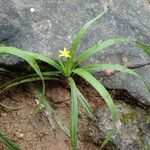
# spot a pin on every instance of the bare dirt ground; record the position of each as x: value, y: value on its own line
x: 33, y: 132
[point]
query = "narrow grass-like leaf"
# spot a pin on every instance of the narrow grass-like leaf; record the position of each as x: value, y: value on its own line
x: 45, y: 59
x: 143, y: 46
x: 59, y: 66
x: 8, y: 108
x: 78, y: 38
x: 108, y: 136
x: 85, y: 104
x: 11, y: 145
x: 98, y: 47
x: 42, y: 100
x: 116, y: 67
x: 22, y: 54
x: 99, y: 87
x: 50, y: 110
x: 101, y: 45
x: 73, y: 114
x: 6, y: 72
x: 28, y: 79
x: 113, y: 67
x: 104, y: 93
x: 82, y: 31
x: 58, y: 59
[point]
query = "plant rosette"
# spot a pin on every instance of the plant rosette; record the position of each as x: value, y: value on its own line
x: 67, y: 65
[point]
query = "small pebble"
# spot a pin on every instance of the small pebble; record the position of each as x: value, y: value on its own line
x: 32, y: 9
x: 19, y: 135
x: 108, y: 72
x: 58, y: 94
x: 3, y: 114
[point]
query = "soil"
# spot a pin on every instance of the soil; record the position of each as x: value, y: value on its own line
x: 33, y: 132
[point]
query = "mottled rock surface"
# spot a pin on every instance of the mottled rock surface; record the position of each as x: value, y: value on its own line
x: 135, y: 87
x: 40, y: 26
x: 132, y: 128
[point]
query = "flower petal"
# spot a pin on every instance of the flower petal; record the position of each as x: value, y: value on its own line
x: 65, y: 50
x: 60, y: 51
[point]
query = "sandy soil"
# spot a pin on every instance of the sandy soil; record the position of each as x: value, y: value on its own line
x: 33, y: 132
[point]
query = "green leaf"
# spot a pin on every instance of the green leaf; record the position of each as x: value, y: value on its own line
x: 50, y: 110
x: 73, y: 114
x: 44, y: 59
x: 85, y: 104
x: 100, y: 89
x: 57, y: 58
x: 98, y: 47
x: 82, y: 31
x: 113, y: 67
x: 43, y: 100
x: 116, y: 67
x: 22, y: 54
x: 78, y: 38
x: 6, y: 72
x: 29, y: 78
x: 8, y: 108
x: 104, y: 93
x: 101, y: 45
x: 108, y: 137
x: 11, y: 145
x: 143, y: 46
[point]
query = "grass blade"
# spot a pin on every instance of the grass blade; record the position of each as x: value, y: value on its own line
x: 11, y: 145
x: 44, y: 59
x: 59, y: 66
x: 8, y: 108
x: 6, y: 72
x: 104, y: 93
x: 82, y: 31
x: 27, y: 79
x: 78, y: 38
x: 108, y: 137
x: 113, y: 67
x: 73, y: 114
x: 22, y: 54
x: 85, y: 104
x: 98, y: 47
x: 143, y: 46
x: 50, y: 110
x: 101, y: 45
x: 99, y: 88
x: 116, y: 67
x: 58, y: 59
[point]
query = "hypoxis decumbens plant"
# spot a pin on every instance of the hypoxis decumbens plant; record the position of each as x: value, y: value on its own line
x: 67, y: 68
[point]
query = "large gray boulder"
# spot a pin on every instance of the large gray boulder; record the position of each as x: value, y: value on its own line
x: 132, y: 128
x: 40, y: 26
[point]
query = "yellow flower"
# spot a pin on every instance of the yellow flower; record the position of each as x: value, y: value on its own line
x: 64, y: 53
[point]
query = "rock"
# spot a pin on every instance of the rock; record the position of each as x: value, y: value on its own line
x: 3, y: 114
x: 42, y: 26
x: 132, y: 85
x: 58, y: 94
x: 132, y: 128
x: 19, y: 135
